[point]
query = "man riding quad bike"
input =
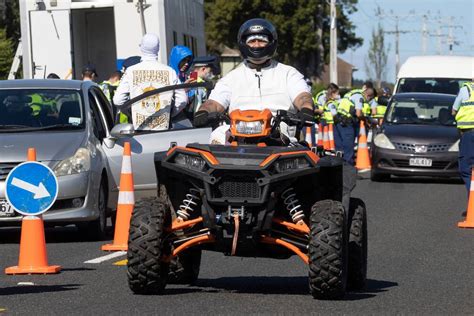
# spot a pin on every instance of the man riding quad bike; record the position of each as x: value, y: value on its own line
x: 263, y: 195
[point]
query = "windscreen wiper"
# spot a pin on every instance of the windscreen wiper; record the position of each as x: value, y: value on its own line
x: 13, y: 126
x: 58, y: 126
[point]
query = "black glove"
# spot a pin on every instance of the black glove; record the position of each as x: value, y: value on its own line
x: 306, y: 115
x: 201, y: 118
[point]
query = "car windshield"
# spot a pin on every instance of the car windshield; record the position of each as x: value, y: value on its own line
x: 40, y: 109
x: 434, y: 85
x: 422, y: 111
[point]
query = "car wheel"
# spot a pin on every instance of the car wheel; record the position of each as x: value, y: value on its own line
x: 96, y: 230
x: 146, y: 270
x: 357, y: 277
x: 378, y: 177
x: 328, y: 250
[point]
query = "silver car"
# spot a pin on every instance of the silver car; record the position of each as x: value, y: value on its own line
x: 70, y: 124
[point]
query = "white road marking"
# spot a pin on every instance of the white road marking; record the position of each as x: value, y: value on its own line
x: 107, y: 257
x: 25, y: 283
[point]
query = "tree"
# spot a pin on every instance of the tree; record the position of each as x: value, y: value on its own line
x: 302, y: 25
x: 12, y: 20
x: 6, y: 53
x: 376, y: 63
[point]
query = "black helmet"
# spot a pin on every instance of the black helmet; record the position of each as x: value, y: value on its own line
x: 257, y: 27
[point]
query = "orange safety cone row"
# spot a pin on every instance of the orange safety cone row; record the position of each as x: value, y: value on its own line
x: 469, y: 221
x: 308, y: 136
x: 332, y: 146
x: 33, y: 258
x: 320, y: 136
x: 326, y: 144
x: 363, y: 157
x: 126, y: 202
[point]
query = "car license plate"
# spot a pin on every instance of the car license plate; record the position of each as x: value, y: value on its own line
x: 6, y: 210
x: 420, y: 162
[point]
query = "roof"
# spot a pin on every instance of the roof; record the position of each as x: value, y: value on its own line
x: 424, y: 96
x: 44, y: 83
x: 456, y: 67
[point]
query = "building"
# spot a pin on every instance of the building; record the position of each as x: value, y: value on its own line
x: 344, y: 74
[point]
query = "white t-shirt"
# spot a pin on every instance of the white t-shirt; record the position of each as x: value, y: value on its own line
x: 274, y: 87
x: 152, y: 113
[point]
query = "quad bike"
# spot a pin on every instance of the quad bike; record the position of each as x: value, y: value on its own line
x: 259, y: 197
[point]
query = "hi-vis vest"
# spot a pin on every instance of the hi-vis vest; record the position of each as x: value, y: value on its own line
x: 317, y: 96
x: 38, y: 103
x: 327, y: 115
x: 346, y: 106
x: 465, y: 115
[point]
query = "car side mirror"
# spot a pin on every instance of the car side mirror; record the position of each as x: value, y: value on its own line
x: 122, y: 130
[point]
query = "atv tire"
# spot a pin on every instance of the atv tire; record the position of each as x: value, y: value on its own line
x: 328, y: 250
x: 357, y: 277
x: 185, y: 268
x: 147, y: 273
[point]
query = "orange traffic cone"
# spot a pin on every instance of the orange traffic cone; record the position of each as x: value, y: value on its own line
x: 363, y: 158
x: 308, y: 137
x: 320, y: 136
x: 126, y: 201
x: 326, y: 138
x: 469, y: 221
x: 332, y: 146
x: 33, y: 258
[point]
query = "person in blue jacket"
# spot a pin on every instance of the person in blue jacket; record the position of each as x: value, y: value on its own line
x: 181, y: 59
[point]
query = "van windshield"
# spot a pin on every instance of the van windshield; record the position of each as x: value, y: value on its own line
x: 435, y: 85
x: 32, y: 109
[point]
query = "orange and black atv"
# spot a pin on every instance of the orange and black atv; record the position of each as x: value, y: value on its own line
x: 258, y: 197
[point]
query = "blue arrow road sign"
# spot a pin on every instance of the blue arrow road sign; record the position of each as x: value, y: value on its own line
x: 31, y: 188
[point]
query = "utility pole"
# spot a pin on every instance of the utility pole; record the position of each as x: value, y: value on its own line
x: 333, y: 44
x: 141, y: 6
x: 397, y: 44
x: 397, y: 33
x: 424, y: 33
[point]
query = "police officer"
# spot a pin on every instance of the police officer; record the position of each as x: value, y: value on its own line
x: 260, y: 82
x: 382, y: 103
x: 89, y: 73
x: 463, y: 110
x: 349, y: 113
x: 330, y: 106
x: 204, y: 68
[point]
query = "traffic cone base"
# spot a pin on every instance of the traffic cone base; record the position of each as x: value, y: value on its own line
x: 33, y: 258
x: 125, y: 204
x: 469, y: 221
x: 121, y: 230
x: 363, y: 158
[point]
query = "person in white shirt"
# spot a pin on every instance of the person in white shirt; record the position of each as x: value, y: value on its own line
x: 152, y: 113
x: 260, y: 82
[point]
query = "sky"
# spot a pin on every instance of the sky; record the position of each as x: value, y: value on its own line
x: 411, y: 12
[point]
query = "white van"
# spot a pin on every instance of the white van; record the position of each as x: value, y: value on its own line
x: 439, y: 74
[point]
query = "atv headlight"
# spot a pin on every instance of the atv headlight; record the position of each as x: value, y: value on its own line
x: 189, y: 161
x: 283, y: 165
x: 80, y: 162
x: 382, y: 141
x: 455, y: 146
x: 255, y: 127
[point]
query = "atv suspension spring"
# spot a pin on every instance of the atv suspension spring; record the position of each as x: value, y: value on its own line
x: 188, y: 204
x: 291, y: 202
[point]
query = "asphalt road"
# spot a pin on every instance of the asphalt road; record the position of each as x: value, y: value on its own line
x: 419, y: 263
